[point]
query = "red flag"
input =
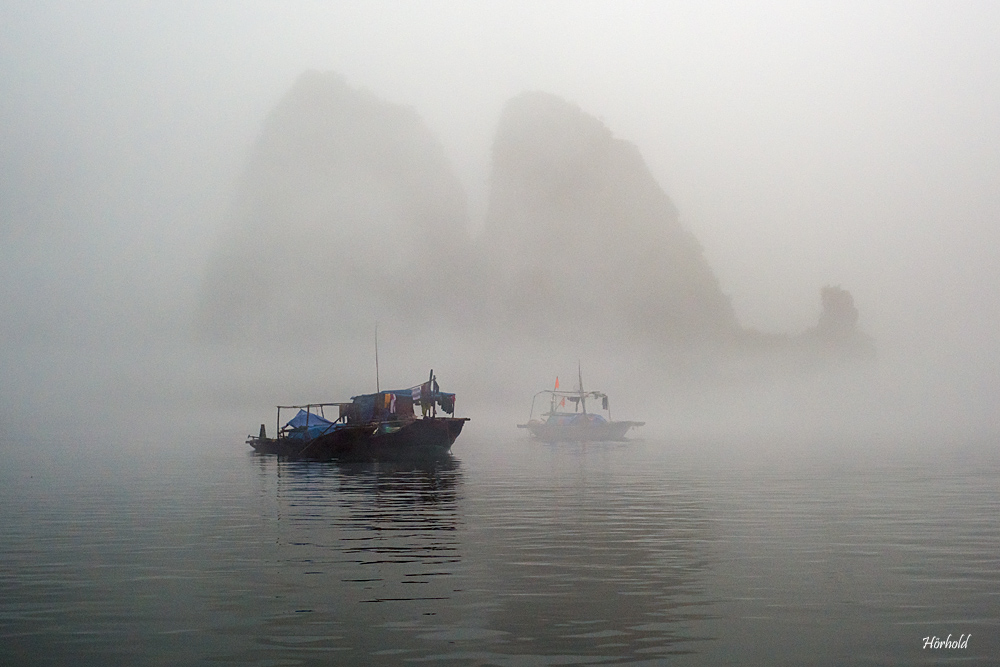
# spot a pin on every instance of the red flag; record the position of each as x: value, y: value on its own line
x: 557, y: 382
x: 562, y: 403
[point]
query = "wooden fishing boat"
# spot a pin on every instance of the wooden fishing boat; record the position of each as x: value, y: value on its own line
x: 561, y: 425
x: 371, y: 425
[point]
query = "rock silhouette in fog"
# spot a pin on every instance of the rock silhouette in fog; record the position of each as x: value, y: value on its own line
x: 837, y: 326
x: 584, y: 237
x: 348, y: 213
x: 347, y: 210
x: 839, y: 317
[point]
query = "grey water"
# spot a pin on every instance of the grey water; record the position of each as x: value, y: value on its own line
x: 508, y: 552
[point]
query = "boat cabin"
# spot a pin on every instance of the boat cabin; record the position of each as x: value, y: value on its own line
x: 393, y: 407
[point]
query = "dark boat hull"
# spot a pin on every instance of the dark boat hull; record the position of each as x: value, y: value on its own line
x: 433, y: 435
x: 610, y: 431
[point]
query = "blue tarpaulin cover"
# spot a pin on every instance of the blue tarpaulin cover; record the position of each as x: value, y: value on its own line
x: 317, y: 426
x: 300, y: 420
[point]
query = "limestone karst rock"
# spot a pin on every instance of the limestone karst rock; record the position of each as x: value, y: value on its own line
x: 347, y: 209
x: 348, y: 213
x: 583, y: 238
x: 839, y: 317
x: 837, y: 328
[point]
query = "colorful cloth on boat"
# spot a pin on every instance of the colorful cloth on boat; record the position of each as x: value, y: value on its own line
x: 426, y: 398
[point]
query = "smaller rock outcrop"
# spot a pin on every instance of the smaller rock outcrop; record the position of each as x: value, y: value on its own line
x: 837, y: 329
x: 839, y: 318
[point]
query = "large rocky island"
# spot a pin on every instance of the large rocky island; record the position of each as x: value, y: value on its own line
x: 583, y: 239
x: 348, y: 212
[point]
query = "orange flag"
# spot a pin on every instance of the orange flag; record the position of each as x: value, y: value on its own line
x: 557, y: 382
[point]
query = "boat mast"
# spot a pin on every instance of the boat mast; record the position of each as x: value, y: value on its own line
x: 583, y: 400
x: 377, y: 390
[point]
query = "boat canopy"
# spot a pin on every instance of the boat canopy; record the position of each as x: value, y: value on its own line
x: 398, y: 402
x: 577, y: 398
x: 392, y: 392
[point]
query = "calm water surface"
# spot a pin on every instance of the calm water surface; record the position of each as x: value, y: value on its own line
x: 507, y: 553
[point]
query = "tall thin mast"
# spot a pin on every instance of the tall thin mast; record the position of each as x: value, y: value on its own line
x: 583, y: 401
x: 377, y: 390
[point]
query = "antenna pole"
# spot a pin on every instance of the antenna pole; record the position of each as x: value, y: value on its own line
x: 377, y: 389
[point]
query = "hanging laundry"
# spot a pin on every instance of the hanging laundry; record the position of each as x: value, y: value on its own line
x: 426, y: 398
x: 447, y: 402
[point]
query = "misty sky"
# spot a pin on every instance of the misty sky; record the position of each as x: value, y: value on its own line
x: 804, y: 144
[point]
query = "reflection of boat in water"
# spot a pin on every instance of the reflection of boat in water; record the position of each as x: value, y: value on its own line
x: 383, y: 423
x: 560, y: 425
x: 393, y: 482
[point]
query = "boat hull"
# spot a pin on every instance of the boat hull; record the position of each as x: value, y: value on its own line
x: 609, y: 431
x: 432, y: 435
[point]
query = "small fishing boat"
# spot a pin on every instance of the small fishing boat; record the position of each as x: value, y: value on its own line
x: 561, y: 425
x: 371, y: 425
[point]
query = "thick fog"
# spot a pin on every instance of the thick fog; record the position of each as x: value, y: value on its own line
x: 788, y: 147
